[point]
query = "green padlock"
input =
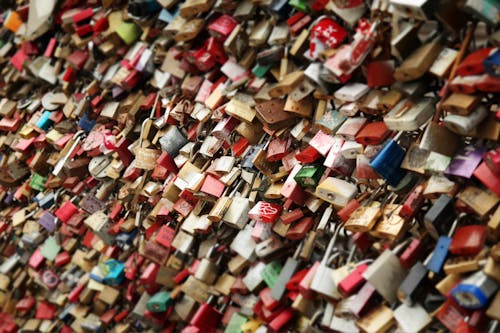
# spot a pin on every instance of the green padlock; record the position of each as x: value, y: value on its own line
x: 271, y: 273
x: 159, y: 302
x: 129, y: 32
x: 309, y: 176
x: 235, y: 323
x: 38, y: 182
x: 261, y: 70
x: 302, y: 5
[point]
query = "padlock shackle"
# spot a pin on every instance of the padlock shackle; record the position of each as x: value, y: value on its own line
x: 455, y: 224
x: 153, y: 109
x: 401, y: 246
x: 329, y: 248
x: 352, y: 252
x: 236, y: 187
x: 372, y: 196
x: 298, y: 250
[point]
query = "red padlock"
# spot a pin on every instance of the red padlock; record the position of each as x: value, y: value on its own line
x: 116, y: 211
x: 412, y: 253
x: 148, y: 278
x: 267, y: 301
x: 45, y: 310
x: 278, y: 148
x: 292, y: 216
x: 206, y: 318
x: 328, y: 32
x: 308, y: 155
x: 240, y: 146
x: 413, y: 202
x: 281, y: 320
x: 300, y: 228
x: 305, y: 282
x: 25, y: 304
x: 166, y: 161
x: 222, y: 26
x: 351, y: 283
x: 468, y: 240
x: 62, y: 259
x: 133, y: 265
x: 473, y: 63
x: 74, y: 294
x: 492, y: 160
x: 165, y: 236
x: 66, y: 211
x: 212, y: 186
x: 490, y: 179
x: 266, y: 212
x: 215, y: 48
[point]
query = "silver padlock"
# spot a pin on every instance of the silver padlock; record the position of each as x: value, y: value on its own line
x: 465, y: 124
x: 207, y: 270
x: 386, y: 273
x: 322, y: 282
x: 172, y: 141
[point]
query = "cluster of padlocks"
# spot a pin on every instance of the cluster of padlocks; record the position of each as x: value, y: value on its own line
x: 249, y: 166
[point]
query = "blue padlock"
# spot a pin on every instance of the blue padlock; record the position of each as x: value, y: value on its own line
x: 97, y: 274
x: 281, y: 7
x: 44, y: 121
x: 440, y: 253
x: 168, y: 16
x: 45, y: 201
x: 116, y: 272
x: 126, y: 237
x: 475, y: 291
x: 388, y: 161
x: 86, y: 124
x: 492, y: 64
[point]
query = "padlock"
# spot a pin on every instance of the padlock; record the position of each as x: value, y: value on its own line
x: 386, y: 267
x: 409, y: 114
x: 362, y: 301
x: 309, y: 175
x: 391, y: 171
x: 159, y: 302
x: 288, y: 270
x: 379, y: 319
x: 322, y: 282
x: 207, y: 317
x: 412, y: 318
x: 439, y: 217
x: 465, y: 162
x: 438, y: 256
x: 336, y: 191
x: 412, y: 288
x: 492, y: 160
x: 418, y: 62
x: 463, y: 125
x: 351, y: 127
x: 413, y: 202
x: 364, y: 217
x: 266, y: 212
x: 207, y: 270
x: 468, y: 240
x: 474, y: 291
x: 222, y: 204
x: 373, y: 133
x: 352, y: 282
